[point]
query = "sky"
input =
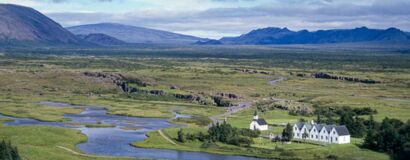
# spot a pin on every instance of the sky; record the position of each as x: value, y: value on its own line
x: 221, y: 18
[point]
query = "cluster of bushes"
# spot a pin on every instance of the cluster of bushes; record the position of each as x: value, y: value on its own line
x: 224, y: 133
x: 196, y: 119
x: 347, y: 116
x: 298, y: 110
x: 391, y: 136
x: 8, y: 152
x: 303, y: 111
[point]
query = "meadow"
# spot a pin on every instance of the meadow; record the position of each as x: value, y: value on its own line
x: 29, y: 76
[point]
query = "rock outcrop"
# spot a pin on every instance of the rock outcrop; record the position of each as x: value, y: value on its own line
x: 122, y: 81
x: 251, y: 71
x: 351, y: 79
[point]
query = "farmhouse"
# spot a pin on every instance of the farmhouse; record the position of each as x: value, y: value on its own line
x: 321, y: 132
x: 258, y: 123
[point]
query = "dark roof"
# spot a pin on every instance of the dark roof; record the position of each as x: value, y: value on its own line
x: 329, y: 128
x: 319, y: 127
x: 308, y: 126
x: 299, y: 125
x: 261, y: 121
x: 342, y: 130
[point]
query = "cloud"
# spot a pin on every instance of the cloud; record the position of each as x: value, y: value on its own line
x: 217, y: 18
x: 64, y: 1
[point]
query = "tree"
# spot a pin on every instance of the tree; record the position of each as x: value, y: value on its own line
x: 360, y: 127
x: 391, y: 136
x: 371, y: 139
x: 319, y: 119
x: 181, y: 136
x: 287, y: 133
x: 388, y: 138
x: 8, y: 152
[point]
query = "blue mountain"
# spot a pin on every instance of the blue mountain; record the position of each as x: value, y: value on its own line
x: 24, y: 25
x: 133, y: 34
x: 273, y: 35
x: 101, y: 39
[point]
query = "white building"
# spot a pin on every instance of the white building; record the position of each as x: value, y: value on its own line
x: 321, y: 133
x: 258, y: 123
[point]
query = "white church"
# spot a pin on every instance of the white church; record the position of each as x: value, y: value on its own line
x: 321, y: 132
x: 258, y: 123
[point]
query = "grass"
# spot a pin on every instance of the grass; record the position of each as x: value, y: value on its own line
x: 40, y: 142
x: 27, y: 79
x: 99, y: 125
x: 262, y: 148
x: 35, y: 111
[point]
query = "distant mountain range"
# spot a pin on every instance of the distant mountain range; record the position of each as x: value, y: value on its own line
x: 272, y: 35
x: 132, y: 34
x: 22, y: 24
x: 25, y: 26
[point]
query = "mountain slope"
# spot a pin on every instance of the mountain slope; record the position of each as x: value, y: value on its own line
x: 132, y: 34
x: 286, y: 36
x: 101, y: 39
x: 20, y: 24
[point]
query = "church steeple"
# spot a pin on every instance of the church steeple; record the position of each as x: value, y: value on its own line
x: 255, y: 115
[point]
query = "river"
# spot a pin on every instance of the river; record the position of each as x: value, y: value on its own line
x: 115, y: 141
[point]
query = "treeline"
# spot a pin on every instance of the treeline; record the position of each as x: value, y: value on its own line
x: 391, y: 136
x: 347, y: 116
x: 8, y: 152
x: 224, y: 133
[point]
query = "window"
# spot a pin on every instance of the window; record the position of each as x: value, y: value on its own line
x: 316, y: 137
x: 336, y: 138
x: 311, y: 136
x: 321, y: 137
x: 326, y: 137
x: 334, y: 132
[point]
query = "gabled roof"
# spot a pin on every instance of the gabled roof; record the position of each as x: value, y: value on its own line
x: 308, y: 126
x: 299, y: 125
x: 319, y: 127
x: 261, y: 121
x: 329, y: 128
x: 342, y: 130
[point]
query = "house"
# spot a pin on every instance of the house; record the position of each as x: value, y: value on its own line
x: 258, y: 123
x: 321, y: 132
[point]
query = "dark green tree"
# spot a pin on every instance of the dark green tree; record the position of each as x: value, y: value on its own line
x: 181, y: 136
x: 8, y: 152
x: 287, y: 133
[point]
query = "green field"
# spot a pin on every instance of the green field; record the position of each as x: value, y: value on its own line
x: 29, y: 77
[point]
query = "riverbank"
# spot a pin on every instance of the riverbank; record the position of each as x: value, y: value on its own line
x: 114, y: 141
x: 262, y: 148
x: 39, y: 142
x: 156, y: 140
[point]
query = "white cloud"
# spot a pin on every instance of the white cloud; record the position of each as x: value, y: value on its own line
x: 217, y: 18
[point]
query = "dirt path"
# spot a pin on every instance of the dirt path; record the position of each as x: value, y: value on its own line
x: 276, y: 81
x: 242, y: 105
x: 165, y: 137
x: 81, y: 154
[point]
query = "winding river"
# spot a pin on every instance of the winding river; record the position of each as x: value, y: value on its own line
x: 115, y: 141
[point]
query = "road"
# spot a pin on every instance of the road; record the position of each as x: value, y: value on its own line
x: 242, y: 105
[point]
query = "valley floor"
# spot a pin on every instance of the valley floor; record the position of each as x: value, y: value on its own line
x: 27, y: 80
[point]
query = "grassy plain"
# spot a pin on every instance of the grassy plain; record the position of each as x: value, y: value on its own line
x: 41, y: 142
x: 263, y: 148
x: 29, y: 77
